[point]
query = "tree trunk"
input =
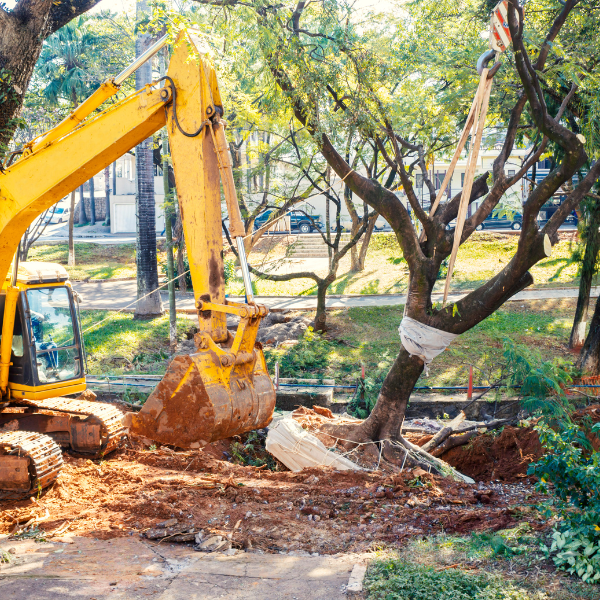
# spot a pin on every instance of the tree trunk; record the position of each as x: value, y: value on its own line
x: 588, y: 268
x: 107, y: 195
x: 23, y: 30
x: 82, y: 216
x: 92, y: 202
x: 385, y: 420
x: 71, y: 259
x: 589, y: 359
x: 149, y: 304
x: 362, y: 255
x: 320, y: 323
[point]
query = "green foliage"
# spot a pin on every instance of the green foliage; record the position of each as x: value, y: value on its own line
x: 364, y: 400
x: 250, y: 450
x: 542, y: 382
x: 310, y: 354
x: 573, y: 467
x: 400, y: 579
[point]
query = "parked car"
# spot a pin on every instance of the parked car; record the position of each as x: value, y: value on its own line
x: 502, y: 222
x: 60, y: 215
x: 298, y: 221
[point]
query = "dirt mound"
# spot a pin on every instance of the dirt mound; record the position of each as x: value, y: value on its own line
x: 492, y: 456
x: 316, y: 510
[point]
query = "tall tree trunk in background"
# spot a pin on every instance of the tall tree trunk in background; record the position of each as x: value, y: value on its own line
x: 589, y: 359
x: 92, y: 203
x: 82, y: 216
x: 71, y: 259
x: 149, y: 304
x: 107, y: 195
x: 588, y: 268
x: 364, y: 245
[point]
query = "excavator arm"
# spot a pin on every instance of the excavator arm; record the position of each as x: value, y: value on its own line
x: 224, y: 387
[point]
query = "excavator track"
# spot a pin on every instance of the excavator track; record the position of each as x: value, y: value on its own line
x: 106, y: 436
x: 29, y: 462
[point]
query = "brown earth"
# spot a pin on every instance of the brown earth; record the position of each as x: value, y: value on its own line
x: 504, y: 457
x: 318, y: 510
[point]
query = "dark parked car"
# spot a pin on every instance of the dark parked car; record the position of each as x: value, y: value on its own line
x: 298, y: 221
x: 503, y: 222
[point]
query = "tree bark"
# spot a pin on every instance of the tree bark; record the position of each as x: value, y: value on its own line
x: 588, y: 268
x: 92, y: 202
x: 82, y: 216
x: 107, y: 195
x: 71, y: 259
x: 589, y: 359
x: 149, y: 304
x: 22, y: 34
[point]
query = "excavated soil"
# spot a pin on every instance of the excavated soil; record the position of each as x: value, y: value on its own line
x: 317, y: 510
x: 503, y: 457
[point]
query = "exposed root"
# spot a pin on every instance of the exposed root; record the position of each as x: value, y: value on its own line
x: 388, y: 454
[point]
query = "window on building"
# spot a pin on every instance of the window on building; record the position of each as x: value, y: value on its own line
x: 462, y: 180
x: 419, y: 182
x: 511, y: 172
x: 439, y: 178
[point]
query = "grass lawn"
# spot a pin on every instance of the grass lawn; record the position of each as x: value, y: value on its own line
x: 506, y: 565
x: 479, y: 259
x: 357, y: 336
x: 116, y: 343
x: 369, y: 337
x: 95, y: 261
x: 484, y: 255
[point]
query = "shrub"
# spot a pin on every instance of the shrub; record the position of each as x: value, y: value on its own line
x: 573, y: 467
x: 311, y: 353
x: 397, y: 579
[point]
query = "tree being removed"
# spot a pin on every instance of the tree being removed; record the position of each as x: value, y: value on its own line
x: 336, y: 76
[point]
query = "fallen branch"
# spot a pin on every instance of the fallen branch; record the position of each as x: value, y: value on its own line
x: 444, y: 433
x: 453, y: 442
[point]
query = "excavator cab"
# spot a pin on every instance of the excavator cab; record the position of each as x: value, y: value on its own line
x: 47, y: 353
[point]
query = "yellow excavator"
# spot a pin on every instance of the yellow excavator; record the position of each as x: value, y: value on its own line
x: 220, y: 390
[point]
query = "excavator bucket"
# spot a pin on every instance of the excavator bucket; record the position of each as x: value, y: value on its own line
x: 223, y: 389
x: 198, y: 402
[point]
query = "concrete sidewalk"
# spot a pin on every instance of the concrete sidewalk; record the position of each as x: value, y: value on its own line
x: 131, y: 568
x: 117, y: 295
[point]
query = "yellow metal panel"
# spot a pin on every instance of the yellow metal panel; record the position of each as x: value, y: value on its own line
x: 37, y: 181
x: 49, y: 390
x: 197, y: 177
x: 8, y: 325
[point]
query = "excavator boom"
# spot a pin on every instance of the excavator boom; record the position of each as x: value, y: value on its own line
x: 223, y: 388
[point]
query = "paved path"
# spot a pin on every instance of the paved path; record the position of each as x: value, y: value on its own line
x: 117, y: 295
x: 129, y: 568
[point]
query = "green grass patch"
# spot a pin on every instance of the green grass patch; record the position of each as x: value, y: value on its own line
x: 120, y: 344
x: 503, y: 565
x: 479, y: 259
x: 92, y: 261
x: 369, y: 337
